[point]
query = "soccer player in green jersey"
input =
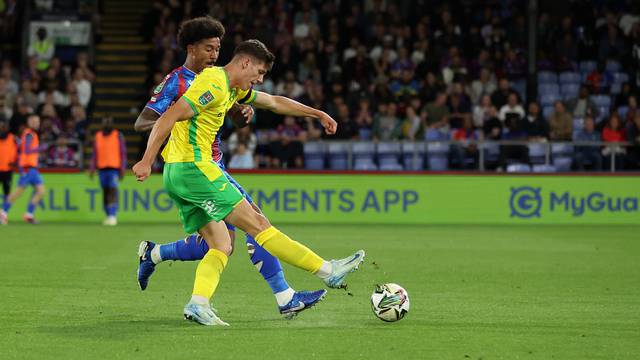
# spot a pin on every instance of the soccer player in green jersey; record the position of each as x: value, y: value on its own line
x: 204, y: 196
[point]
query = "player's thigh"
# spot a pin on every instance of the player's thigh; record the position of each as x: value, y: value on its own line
x: 216, y: 235
x: 245, y: 217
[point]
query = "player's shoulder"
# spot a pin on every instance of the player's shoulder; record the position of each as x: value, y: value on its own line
x: 214, y: 73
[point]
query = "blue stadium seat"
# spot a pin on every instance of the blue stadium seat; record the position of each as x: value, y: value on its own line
x: 365, y: 165
x: 578, y: 124
x: 314, y: 155
x: 491, y: 152
x: 391, y: 167
x: 363, y: 154
x: 549, y: 89
x: 537, y: 153
x: 547, y: 111
x: 520, y: 86
x: 338, y: 156
x: 548, y: 99
x: 543, y: 168
x: 620, y: 77
x: 587, y: 66
x: 365, y: 134
x: 547, y: 77
x: 616, y: 88
x: 561, y: 149
x: 622, y: 111
x: 389, y: 155
x: 569, y: 77
x: 569, y: 91
x: 435, y: 135
x: 518, y: 167
x: 562, y: 163
x: 601, y: 100
x: 613, y: 66
x: 438, y: 163
x: 413, y: 155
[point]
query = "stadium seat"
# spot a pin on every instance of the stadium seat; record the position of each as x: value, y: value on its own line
x: 622, y: 111
x: 491, y: 152
x: 613, y: 66
x: 389, y: 155
x: 587, y: 66
x: 544, y: 168
x: 365, y: 165
x: 562, y: 163
x: 620, y: 78
x: 547, y: 111
x: 561, y: 149
x: 603, y: 113
x: 435, y: 135
x: 569, y: 91
x: 520, y: 86
x: 537, y: 153
x: 549, y: 89
x: 413, y: 155
x: 363, y: 154
x: 518, y: 167
x: 616, y: 88
x: 338, y: 158
x: 569, y: 77
x: 547, y: 77
x: 548, y: 99
x: 391, y: 167
x: 314, y: 155
x: 438, y: 156
x: 601, y: 101
x: 365, y: 134
x: 578, y: 124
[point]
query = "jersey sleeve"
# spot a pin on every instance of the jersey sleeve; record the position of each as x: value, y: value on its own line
x: 206, y: 90
x: 164, y: 94
x: 247, y: 97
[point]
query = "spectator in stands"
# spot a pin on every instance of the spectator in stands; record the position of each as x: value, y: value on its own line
x: 560, y: 124
x: 482, y: 111
x: 582, y: 105
x: 364, y: 120
x: 242, y: 158
x: 245, y: 136
x: 500, y: 96
x: 82, y: 87
x: 62, y: 155
x: 511, y: 111
x: 286, y: 144
x: 19, y: 118
x: 484, y: 85
x: 28, y: 95
x: 614, y: 132
x: 632, y: 110
x: 492, y: 127
x: 347, y: 129
x: 406, y: 86
x: 465, y: 154
x: 413, y: 125
x: 622, y: 98
x: 599, y: 79
x: 42, y: 48
x: 633, y: 135
x: 386, y: 124
x: 534, y: 125
x: 438, y: 113
x: 82, y: 63
x: 6, y: 101
x: 514, y: 131
x: 588, y: 155
x: 51, y: 90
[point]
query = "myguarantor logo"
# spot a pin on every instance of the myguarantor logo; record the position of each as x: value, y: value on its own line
x: 527, y: 202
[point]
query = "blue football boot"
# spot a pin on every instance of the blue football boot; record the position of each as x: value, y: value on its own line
x: 301, y: 301
x: 146, y: 266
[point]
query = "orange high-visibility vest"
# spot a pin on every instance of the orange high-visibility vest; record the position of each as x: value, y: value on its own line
x: 8, y: 152
x: 108, y: 150
x: 28, y: 160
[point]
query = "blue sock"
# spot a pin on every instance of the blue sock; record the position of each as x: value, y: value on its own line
x: 31, y: 208
x: 7, y: 205
x: 269, y: 266
x: 191, y: 248
x: 111, y: 210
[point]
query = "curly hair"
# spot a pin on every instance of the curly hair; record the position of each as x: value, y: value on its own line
x: 256, y: 49
x: 196, y: 29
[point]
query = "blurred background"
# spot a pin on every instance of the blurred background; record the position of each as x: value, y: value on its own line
x: 504, y: 85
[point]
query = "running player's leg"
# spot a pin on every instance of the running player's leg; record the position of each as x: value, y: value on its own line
x: 109, y: 184
x: 23, y: 182
x: 292, y: 252
x: 38, y: 184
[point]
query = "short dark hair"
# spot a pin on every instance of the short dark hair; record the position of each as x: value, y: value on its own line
x: 196, y: 29
x: 256, y: 49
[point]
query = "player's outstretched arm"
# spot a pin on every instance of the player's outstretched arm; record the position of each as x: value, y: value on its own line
x: 285, y: 106
x: 179, y: 111
x: 146, y: 120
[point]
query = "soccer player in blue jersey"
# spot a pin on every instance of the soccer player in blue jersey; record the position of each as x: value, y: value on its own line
x: 201, y: 37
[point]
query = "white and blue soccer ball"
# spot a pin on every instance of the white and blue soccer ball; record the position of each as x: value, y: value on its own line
x: 390, y: 302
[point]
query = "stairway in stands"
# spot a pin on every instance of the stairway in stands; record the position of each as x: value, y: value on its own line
x: 121, y: 69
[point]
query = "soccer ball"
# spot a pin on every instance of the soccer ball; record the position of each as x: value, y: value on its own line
x: 390, y: 302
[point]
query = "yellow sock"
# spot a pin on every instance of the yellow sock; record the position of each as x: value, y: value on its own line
x: 289, y: 251
x: 208, y: 273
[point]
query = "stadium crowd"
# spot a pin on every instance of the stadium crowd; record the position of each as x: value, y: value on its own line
x: 456, y: 70
x: 60, y: 93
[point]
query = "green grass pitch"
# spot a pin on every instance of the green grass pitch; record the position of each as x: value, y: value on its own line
x: 477, y: 292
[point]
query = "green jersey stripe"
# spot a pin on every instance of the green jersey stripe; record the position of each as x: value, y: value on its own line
x: 193, y: 130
